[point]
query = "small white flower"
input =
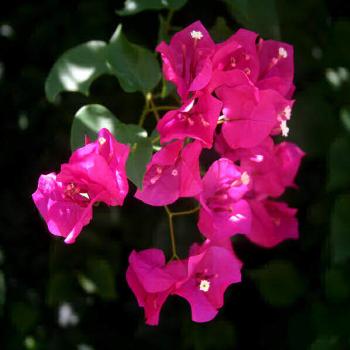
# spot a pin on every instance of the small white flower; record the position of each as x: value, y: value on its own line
x: 196, y: 35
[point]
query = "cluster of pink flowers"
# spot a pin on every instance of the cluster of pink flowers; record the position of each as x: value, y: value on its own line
x: 236, y: 96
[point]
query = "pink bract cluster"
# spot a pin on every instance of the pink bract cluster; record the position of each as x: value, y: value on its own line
x: 236, y: 96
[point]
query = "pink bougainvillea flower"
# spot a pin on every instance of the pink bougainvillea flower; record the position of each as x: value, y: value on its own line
x: 223, y: 212
x: 251, y: 115
x: 276, y: 67
x: 271, y: 167
x: 211, y: 269
x: 196, y: 119
x: 239, y: 52
x: 187, y: 60
x: 95, y: 173
x: 272, y: 223
x: 172, y: 173
x: 152, y: 281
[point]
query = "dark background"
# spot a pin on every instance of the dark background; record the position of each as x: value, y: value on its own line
x: 295, y: 296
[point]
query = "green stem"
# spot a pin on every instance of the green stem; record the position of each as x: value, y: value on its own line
x: 172, y: 234
x: 186, y: 212
x: 145, y: 111
x: 154, y: 109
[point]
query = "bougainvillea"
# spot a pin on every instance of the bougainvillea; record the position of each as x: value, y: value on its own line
x: 235, y: 98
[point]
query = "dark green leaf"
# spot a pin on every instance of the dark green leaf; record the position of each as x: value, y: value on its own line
x: 76, y: 69
x: 220, y: 30
x: 337, y: 285
x: 215, y: 335
x: 279, y: 283
x: 2, y: 290
x: 339, y: 164
x: 258, y: 15
x: 102, y: 276
x: 131, y: 7
x: 345, y: 118
x: 23, y: 316
x: 62, y: 286
x: 340, y: 229
x: 136, y: 68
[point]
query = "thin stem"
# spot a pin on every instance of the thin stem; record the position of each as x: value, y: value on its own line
x: 161, y: 108
x: 172, y: 234
x: 144, y: 111
x: 156, y: 139
x: 168, y: 19
x: 186, y: 212
x: 154, y: 108
x: 171, y: 226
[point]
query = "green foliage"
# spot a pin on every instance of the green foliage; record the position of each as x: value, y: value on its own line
x: 337, y: 285
x: 91, y: 118
x: 340, y: 229
x: 339, y: 164
x: 217, y: 335
x: 23, y: 316
x: 2, y: 290
x: 220, y: 31
x: 76, y: 69
x: 279, y: 283
x: 258, y: 15
x: 131, y: 7
x: 101, y: 275
x: 136, y: 68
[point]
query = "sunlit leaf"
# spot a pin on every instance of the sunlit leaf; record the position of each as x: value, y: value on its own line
x: 91, y: 118
x: 257, y: 15
x: 136, y: 68
x: 139, y: 157
x: 76, y: 69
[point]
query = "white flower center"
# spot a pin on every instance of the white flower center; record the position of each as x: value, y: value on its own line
x: 196, y: 35
x: 204, y: 285
x: 101, y: 140
x: 282, y: 52
x: 245, y: 178
x: 284, y: 128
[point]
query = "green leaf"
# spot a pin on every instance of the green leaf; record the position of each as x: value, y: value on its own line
x: 340, y: 229
x: 337, y: 285
x: 88, y: 121
x: 23, y: 316
x: 345, y: 118
x: 218, y: 335
x: 76, y: 69
x: 220, y: 31
x: 2, y: 290
x: 279, y: 283
x: 339, y: 164
x: 91, y: 118
x: 139, y: 157
x: 257, y: 15
x: 102, y: 276
x: 62, y: 286
x: 131, y: 7
x: 136, y: 68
